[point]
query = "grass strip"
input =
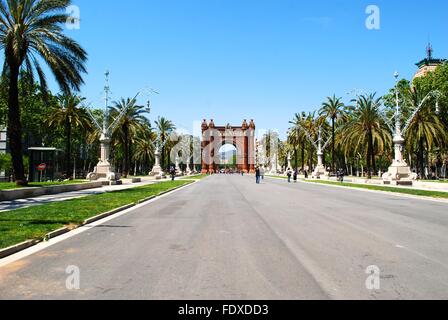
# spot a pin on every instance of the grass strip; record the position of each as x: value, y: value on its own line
x: 195, y: 177
x: 414, y: 192
x: 34, y: 223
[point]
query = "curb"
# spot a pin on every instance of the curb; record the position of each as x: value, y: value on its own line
x: 107, y: 214
x: 391, y: 193
x: 17, y: 248
x: 30, y: 243
x: 57, y: 233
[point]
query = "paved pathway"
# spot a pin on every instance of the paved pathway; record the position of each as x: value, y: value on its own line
x: 227, y: 238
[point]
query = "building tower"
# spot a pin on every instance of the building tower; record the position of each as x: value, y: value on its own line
x: 429, y: 64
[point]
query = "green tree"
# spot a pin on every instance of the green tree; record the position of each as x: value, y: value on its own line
x: 165, y: 128
x: 297, y: 136
x: 311, y: 126
x: 32, y: 29
x: 144, y: 147
x: 70, y: 115
x: 5, y: 163
x: 333, y: 109
x: 426, y: 129
x: 437, y: 80
x: 131, y: 123
x: 366, y: 127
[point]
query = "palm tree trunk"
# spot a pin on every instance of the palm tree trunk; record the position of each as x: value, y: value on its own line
x: 333, y: 146
x: 14, y: 126
x: 163, y: 153
x: 370, y: 155
x: 68, y: 148
x: 296, y: 156
x: 369, y: 172
x: 373, y: 160
x: 311, y: 158
x: 303, y: 157
x: 421, y: 159
x: 126, y: 151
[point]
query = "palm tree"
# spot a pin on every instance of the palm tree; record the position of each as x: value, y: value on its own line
x: 425, y: 130
x: 333, y: 109
x: 366, y: 127
x: 293, y: 143
x: 68, y: 114
x: 132, y: 122
x: 297, y: 136
x: 144, y: 147
x: 311, y: 125
x: 165, y: 128
x: 29, y: 30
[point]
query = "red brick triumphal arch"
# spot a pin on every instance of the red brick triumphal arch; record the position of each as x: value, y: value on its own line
x: 242, y: 138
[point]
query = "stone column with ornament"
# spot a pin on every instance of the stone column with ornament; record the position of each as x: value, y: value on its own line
x: 157, y: 169
x: 320, y: 170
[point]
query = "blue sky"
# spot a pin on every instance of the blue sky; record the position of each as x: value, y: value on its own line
x: 262, y: 59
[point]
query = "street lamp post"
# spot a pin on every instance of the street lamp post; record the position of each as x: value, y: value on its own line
x: 289, y: 161
x: 320, y: 170
x: 157, y: 169
x: 399, y: 172
x: 103, y: 170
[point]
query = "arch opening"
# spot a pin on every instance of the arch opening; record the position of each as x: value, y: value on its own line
x: 228, y: 157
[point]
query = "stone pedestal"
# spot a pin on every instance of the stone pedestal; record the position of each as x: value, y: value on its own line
x: 177, y: 167
x: 289, y: 162
x: 103, y: 170
x: 399, y: 172
x: 188, y: 170
x: 157, y: 169
x: 274, y: 165
x: 320, y: 170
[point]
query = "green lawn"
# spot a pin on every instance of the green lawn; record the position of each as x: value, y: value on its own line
x: 415, y: 192
x: 196, y: 177
x: 11, y: 185
x: 35, y: 222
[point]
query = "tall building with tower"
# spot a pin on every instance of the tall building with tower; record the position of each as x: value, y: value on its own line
x: 429, y: 64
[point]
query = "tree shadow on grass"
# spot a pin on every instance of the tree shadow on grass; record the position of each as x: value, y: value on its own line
x: 36, y: 222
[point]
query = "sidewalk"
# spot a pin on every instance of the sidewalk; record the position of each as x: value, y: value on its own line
x: 25, y: 203
x: 418, y: 185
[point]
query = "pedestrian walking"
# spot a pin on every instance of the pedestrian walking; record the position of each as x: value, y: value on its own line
x: 257, y: 175
x: 296, y: 173
x: 340, y: 175
x: 289, y: 175
x: 173, y: 173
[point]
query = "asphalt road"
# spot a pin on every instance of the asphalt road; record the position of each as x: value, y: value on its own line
x: 228, y: 238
